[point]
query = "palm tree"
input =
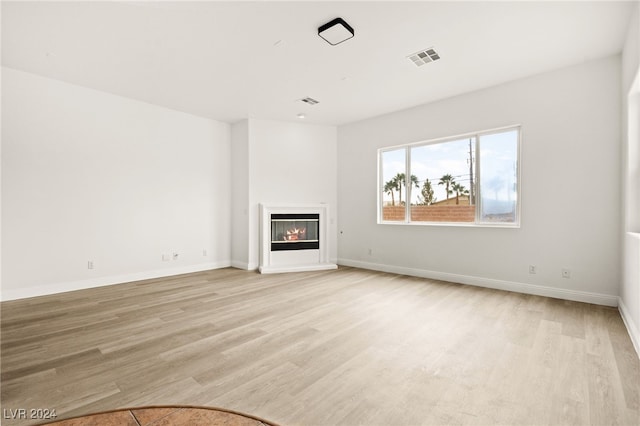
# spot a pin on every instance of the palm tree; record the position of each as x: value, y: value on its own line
x: 414, y: 182
x: 447, y: 180
x: 399, y: 179
x: 459, y: 189
x: 389, y: 187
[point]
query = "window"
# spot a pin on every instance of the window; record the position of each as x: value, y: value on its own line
x: 393, y: 175
x: 471, y: 179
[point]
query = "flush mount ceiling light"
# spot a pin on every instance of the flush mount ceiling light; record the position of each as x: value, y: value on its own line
x: 336, y: 31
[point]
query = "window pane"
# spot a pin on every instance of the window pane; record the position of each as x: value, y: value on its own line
x: 498, y: 177
x: 393, y: 188
x: 442, y: 176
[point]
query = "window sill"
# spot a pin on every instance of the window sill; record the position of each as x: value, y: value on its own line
x: 454, y: 224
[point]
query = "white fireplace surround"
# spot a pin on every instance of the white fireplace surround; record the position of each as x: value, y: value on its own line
x: 293, y: 260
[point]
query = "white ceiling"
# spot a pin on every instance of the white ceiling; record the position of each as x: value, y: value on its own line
x: 233, y: 60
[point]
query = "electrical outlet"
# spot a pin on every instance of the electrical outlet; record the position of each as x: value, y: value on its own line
x: 566, y: 273
x: 533, y: 269
x: 90, y: 264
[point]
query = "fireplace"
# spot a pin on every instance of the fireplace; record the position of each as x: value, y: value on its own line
x: 295, y: 231
x: 294, y: 238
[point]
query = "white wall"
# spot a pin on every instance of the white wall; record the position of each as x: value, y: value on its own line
x: 630, y: 286
x: 288, y: 163
x: 91, y: 176
x: 240, y: 194
x: 570, y: 188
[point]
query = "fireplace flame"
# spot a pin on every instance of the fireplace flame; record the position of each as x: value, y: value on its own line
x: 295, y: 234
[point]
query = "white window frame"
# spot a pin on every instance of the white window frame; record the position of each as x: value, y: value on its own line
x: 477, y: 188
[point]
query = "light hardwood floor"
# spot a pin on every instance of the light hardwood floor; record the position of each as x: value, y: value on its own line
x: 341, y: 347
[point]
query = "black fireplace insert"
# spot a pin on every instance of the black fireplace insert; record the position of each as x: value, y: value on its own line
x: 295, y: 231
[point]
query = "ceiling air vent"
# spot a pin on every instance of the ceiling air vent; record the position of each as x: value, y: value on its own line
x: 424, y: 57
x: 309, y: 101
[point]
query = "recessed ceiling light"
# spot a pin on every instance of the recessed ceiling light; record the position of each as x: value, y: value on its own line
x: 301, y: 115
x: 336, y: 31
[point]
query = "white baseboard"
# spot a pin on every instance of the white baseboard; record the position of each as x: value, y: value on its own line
x: 243, y: 265
x: 297, y: 268
x: 240, y: 265
x: 44, y: 290
x: 558, y: 293
x: 632, y: 328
